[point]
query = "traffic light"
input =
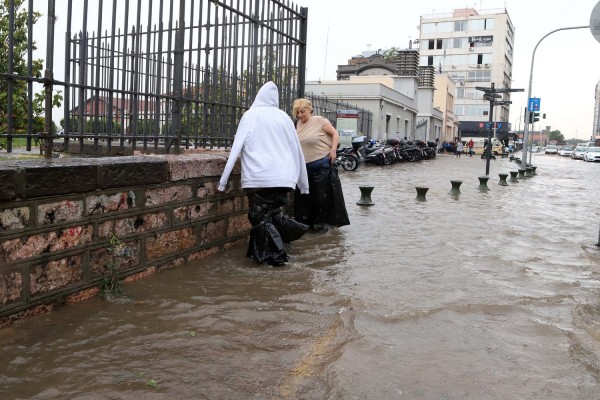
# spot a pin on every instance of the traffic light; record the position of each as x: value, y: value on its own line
x: 534, y: 117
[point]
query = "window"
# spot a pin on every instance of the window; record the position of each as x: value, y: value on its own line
x: 489, y: 24
x: 460, y: 26
x: 477, y: 24
x: 438, y: 44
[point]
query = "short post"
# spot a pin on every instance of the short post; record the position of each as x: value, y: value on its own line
x: 455, y: 187
x: 513, y: 177
x: 483, y: 183
x: 598, y: 244
x: 533, y: 168
x: 502, y: 181
x: 511, y: 157
x: 421, y: 192
x: 528, y: 172
x: 521, y: 173
x: 365, y: 196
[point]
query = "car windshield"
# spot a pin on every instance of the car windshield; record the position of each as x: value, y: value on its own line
x: 551, y: 146
x: 593, y: 149
x: 567, y: 148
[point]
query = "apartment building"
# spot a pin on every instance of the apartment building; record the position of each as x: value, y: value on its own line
x: 474, y: 48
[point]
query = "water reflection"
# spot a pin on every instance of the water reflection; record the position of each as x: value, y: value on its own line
x: 481, y: 295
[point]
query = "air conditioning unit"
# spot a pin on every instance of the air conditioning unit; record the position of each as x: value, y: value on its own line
x: 478, y: 65
x: 461, y: 83
x: 454, y: 66
x: 487, y: 65
x: 471, y: 48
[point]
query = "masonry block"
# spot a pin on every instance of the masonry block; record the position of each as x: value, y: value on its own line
x: 11, y: 287
x: 55, y: 274
x: 168, y: 195
x: 34, y: 245
x: 60, y: 211
x: 163, y: 244
x: 106, y: 203
x: 8, y: 183
x: 127, y: 226
x: 237, y: 225
x: 192, y: 212
x: 123, y: 256
x: 132, y: 171
x: 14, y: 218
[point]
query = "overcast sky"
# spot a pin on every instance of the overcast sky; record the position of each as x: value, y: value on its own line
x: 566, y: 68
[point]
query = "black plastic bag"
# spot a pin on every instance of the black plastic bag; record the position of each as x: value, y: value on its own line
x: 336, y: 215
x: 289, y: 229
x: 266, y: 245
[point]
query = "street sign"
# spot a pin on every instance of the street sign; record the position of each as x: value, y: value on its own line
x: 533, y: 104
x: 595, y: 22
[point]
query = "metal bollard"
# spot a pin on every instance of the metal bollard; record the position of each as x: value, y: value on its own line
x: 455, y: 187
x: 533, y: 168
x: 528, y: 172
x: 521, y: 173
x: 365, y: 196
x: 483, y: 183
x: 421, y: 192
x: 503, y: 179
x: 513, y: 177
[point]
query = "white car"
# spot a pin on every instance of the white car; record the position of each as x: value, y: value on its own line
x: 577, y: 153
x: 592, y: 154
x: 551, y: 149
x: 566, y: 151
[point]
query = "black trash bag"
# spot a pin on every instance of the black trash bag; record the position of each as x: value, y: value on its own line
x: 336, y: 215
x: 289, y: 229
x: 311, y: 208
x: 266, y: 245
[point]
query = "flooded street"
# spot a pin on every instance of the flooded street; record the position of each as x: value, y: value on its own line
x: 485, y: 295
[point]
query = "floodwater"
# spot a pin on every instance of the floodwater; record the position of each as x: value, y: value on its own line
x: 485, y: 295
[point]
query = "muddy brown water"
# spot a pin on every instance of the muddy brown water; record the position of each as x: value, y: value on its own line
x: 485, y: 295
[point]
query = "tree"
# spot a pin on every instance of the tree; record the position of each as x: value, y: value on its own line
x: 390, y: 54
x: 20, y: 99
x: 556, y: 135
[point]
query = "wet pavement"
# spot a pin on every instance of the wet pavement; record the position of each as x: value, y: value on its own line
x: 485, y: 295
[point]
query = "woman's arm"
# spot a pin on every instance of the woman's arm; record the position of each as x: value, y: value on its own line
x: 335, y: 136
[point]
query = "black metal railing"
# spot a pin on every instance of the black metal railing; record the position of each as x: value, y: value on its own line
x: 151, y: 74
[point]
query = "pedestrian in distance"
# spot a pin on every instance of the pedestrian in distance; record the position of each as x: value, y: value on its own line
x: 272, y: 166
x: 459, y: 148
x: 470, y: 145
x: 319, y: 140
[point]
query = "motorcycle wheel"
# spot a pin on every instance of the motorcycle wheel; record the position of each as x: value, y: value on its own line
x: 350, y: 163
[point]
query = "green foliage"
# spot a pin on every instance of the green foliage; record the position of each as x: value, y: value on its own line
x: 20, y: 99
x: 110, y: 284
x: 390, y: 54
x: 556, y: 135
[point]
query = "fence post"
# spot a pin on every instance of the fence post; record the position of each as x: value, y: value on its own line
x: 48, y: 82
x: 302, y: 52
x: 178, y: 78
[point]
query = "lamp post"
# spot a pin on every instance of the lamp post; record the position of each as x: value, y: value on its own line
x: 527, y: 110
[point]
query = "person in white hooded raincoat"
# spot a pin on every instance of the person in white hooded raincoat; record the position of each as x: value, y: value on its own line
x: 272, y: 165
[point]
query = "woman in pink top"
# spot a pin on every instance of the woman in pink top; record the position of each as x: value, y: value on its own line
x: 319, y: 141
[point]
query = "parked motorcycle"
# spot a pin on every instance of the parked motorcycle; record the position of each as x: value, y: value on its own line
x: 346, y: 159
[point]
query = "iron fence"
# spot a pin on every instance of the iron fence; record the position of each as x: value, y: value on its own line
x: 329, y: 109
x: 150, y: 74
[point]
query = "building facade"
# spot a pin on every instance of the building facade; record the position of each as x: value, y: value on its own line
x: 474, y: 49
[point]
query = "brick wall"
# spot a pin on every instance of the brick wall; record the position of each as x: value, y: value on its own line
x: 57, y: 218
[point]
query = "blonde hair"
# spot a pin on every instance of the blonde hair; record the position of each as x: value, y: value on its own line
x: 301, y: 103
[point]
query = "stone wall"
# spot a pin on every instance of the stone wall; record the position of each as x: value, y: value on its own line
x: 57, y: 219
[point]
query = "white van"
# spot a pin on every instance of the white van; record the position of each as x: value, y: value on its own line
x: 479, y: 145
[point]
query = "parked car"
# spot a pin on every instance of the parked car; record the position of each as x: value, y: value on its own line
x: 577, y: 153
x: 551, y: 149
x: 565, y: 151
x: 592, y: 154
x: 535, y: 149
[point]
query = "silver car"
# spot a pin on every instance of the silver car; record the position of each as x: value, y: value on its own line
x: 592, y: 154
x: 551, y: 149
x: 577, y: 153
